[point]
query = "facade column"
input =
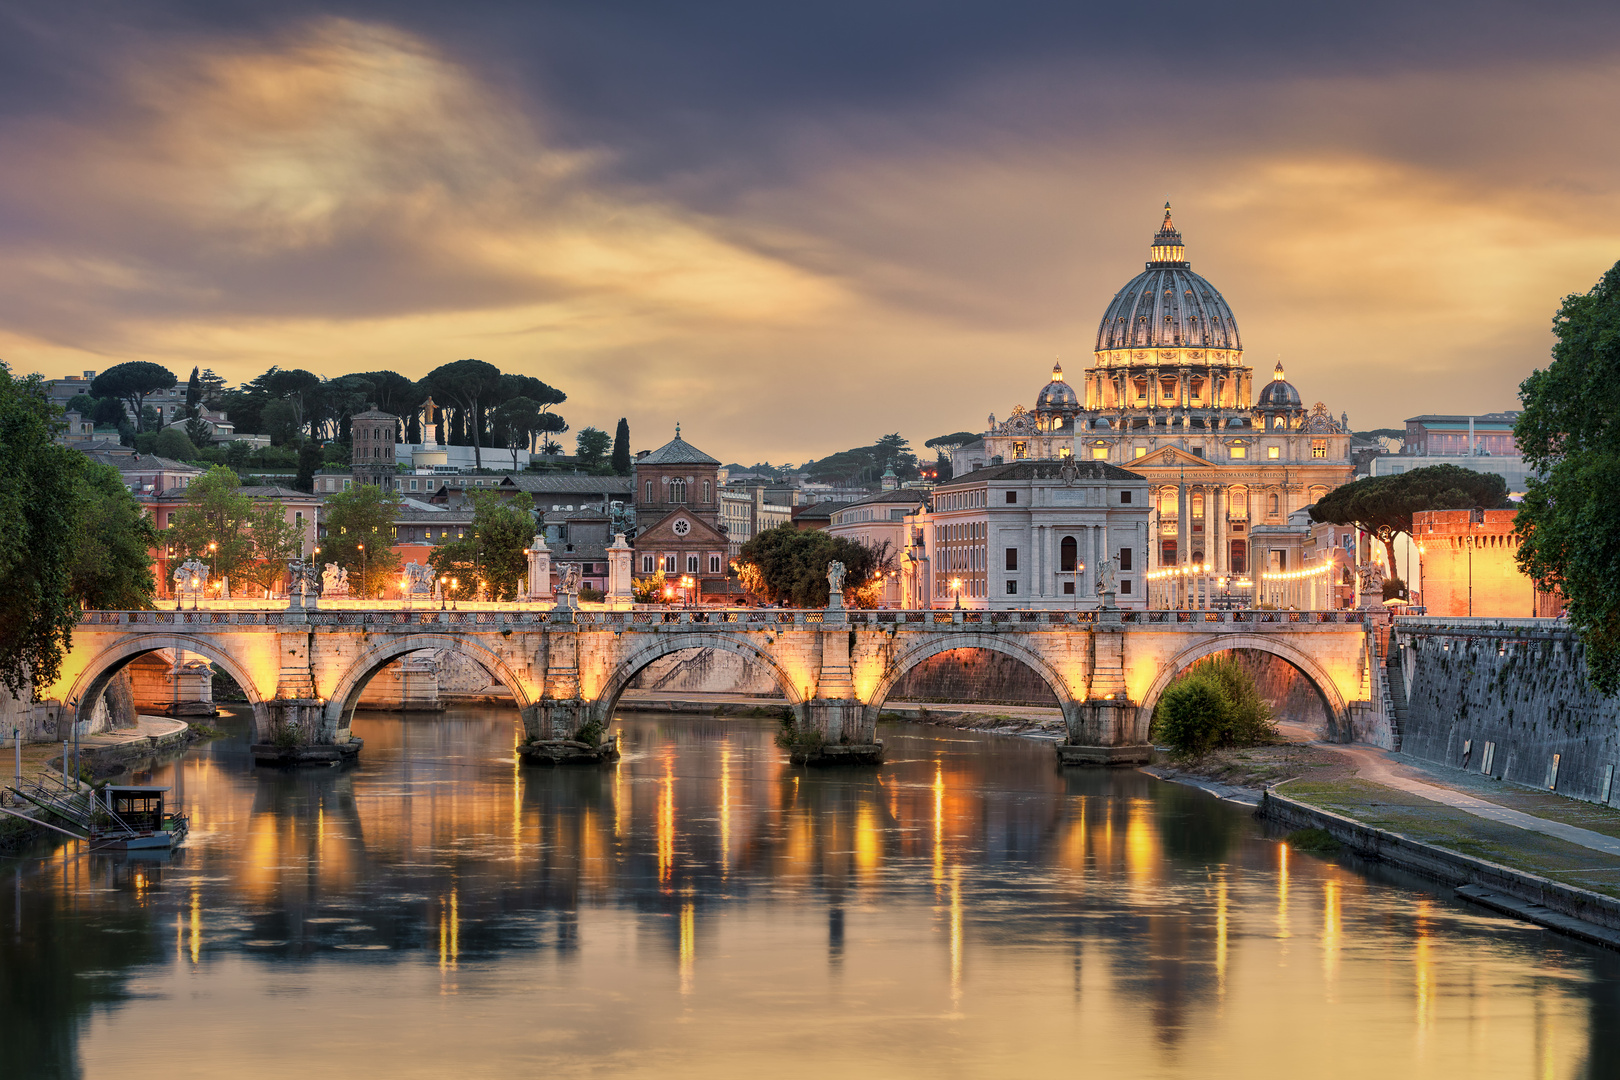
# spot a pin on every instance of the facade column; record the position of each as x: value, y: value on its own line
x: 1215, y: 505
x: 1049, y: 578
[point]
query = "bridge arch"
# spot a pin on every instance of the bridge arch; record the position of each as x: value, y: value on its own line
x: 914, y: 654
x: 1332, y: 700
x: 87, y: 689
x: 340, y: 705
x: 607, y: 699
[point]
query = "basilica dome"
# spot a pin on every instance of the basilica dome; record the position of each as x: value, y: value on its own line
x: 1167, y: 306
x: 1279, y: 393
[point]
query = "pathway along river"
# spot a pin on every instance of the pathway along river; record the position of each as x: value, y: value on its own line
x: 704, y: 909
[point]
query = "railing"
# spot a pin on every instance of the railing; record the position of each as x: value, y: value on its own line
x: 750, y: 619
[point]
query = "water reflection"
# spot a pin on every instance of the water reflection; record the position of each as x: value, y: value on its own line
x: 705, y: 909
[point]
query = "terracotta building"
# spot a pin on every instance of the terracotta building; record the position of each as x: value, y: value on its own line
x: 678, y: 528
x: 1466, y: 567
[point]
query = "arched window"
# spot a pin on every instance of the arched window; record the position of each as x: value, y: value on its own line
x: 1274, y: 506
x: 1237, y: 505
x: 677, y: 491
x: 649, y: 491
x: 706, y: 497
x: 1068, y: 554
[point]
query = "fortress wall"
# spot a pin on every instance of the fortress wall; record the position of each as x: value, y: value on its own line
x: 1519, y: 684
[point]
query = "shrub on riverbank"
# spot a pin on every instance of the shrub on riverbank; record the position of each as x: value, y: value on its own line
x: 1214, y: 704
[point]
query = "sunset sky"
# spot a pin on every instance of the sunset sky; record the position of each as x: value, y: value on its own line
x: 794, y: 228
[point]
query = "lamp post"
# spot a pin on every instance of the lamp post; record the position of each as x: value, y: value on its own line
x: 362, y: 548
x: 455, y: 583
x: 194, y: 584
x: 213, y: 559
x: 444, y: 590
x: 1079, y: 572
x: 956, y: 587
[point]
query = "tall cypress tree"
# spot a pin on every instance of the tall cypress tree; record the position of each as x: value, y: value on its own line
x: 621, y: 448
x: 193, y: 394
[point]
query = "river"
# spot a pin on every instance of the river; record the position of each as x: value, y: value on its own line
x: 706, y: 910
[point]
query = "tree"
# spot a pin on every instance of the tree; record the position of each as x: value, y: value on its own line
x: 1384, y: 505
x: 213, y: 388
x: 112, y: 555
x: 493, y: 550
x: 172, y: 443
x: 275, y: 541
x: 237, y: 452
x: 394, y: 393
x: 108, y: 411
x: 132, y: 382
x: 621, y: 448
x: 591, y: 446
x: 215, y: 524
x: 280, y: 421
x: 194, y: 395
x: 789, y: 566
x: 1212, y: 704
x: 39, y: 524
x: 516, y: 422
x: 1569, y: 433
x: 310, y: 459
x: 470, y: 385
x: 944, y: 446
x: 200, y: 432
x: 362, y: 515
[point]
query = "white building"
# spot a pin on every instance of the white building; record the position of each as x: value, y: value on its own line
x: 884, y: 523
x: 1033, y: 534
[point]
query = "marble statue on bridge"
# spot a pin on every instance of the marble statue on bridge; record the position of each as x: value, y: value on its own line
x: 191, y: 576
x: 418, y: 579
x: 334, y: 580
x: 835, y: 584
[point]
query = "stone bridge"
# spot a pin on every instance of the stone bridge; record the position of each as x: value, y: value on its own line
x: 303, y: 671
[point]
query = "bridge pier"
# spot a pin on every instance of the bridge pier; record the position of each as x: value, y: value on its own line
x: 1101, y: 729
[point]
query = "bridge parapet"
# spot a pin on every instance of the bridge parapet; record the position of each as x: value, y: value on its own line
x: 566, y: 668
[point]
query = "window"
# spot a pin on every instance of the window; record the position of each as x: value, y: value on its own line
x: 1068, y: 555
x: 1273, y: 452
x: 714, y: 564
x: 1018, y: 449
x: 1274, y: 506
x: 1237, y: 453
x: 1125, y: 588
x: 1240, y: 557
x: 1141, y: 451
x: 649, y: 491
x: 647, y: 564
x: 669, y: 564
x: 413, y: 485
x: 677, y: 491
x: 1198, y: 451
x: 1319, y: 448
x: 1068, y: 588
x: 1012, y: 558
x: 1012, y: 496
x: 706, y: 496
x: 1099, y: 453
x: 1012, y: 588
x: 1124, y: 498
x: 1124, y: 558
x: 691, y: 564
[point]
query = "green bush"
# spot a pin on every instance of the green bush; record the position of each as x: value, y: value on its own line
x: 590, y: 733
x: 1213, y: 705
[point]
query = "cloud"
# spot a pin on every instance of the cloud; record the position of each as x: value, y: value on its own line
x: 806, y: 271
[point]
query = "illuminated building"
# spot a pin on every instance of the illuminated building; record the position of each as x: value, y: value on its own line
x: 1169, y: 397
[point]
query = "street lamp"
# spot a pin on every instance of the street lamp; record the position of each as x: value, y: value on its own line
x: 362, y: 548
x: 455, y: 583
x: 1079, y: 571
x: 213, y: 560
x: 444, y: 589
x: 956, y: 587
x: 194, y: 592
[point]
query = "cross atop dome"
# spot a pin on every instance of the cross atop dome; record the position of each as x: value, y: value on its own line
x: 1168, y: 250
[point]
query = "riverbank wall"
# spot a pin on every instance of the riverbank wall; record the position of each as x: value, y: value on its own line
x: 1507, y: 698
x: 1579, y: 912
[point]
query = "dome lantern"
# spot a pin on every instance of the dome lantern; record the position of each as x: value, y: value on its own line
x: 1168, y: 250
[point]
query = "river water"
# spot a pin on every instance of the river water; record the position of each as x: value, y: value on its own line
x: 704, y: 909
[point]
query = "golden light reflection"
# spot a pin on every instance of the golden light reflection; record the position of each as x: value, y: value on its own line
x: 1141, y: 843
x: 1282, y: 891
x: 868, y: 841
x: 939, y: 823
x: 688, y: 945
x: 450, y: 931
x: 196, y: 926
x: 666, y: 822
x: 725, y: 808
x: 1221, y: 916
x: 956, y: 935
x: 1332, y: 931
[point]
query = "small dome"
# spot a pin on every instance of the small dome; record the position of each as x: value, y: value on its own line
x: 1279, y: 392
x: 1057, y: 394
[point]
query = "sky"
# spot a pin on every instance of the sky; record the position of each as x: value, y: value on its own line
x: 794, y: 228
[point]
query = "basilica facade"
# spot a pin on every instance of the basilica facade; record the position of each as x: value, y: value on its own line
x: 1169, y: 397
